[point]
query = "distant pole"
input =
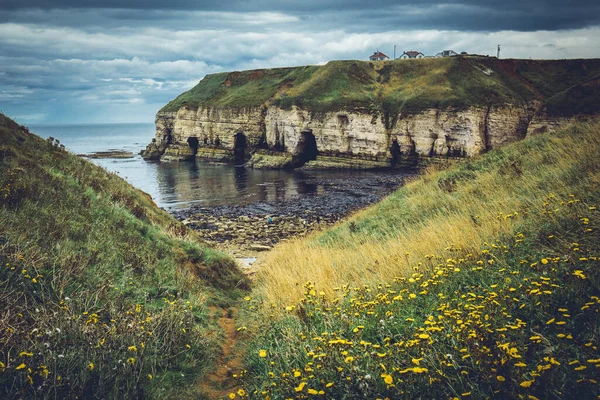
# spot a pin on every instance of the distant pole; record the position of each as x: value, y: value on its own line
x: 498, y: 54
x: 394, y: 52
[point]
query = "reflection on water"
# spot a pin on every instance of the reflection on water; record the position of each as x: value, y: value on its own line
x: 178, y: 185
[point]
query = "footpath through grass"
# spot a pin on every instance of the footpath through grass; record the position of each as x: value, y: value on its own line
x: 479, y: 281
x: 102, y: 294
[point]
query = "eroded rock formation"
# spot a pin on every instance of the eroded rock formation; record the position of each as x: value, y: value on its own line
x: 270, y: 137
x: 276, y: 133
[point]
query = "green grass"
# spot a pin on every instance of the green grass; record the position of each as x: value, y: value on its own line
x: 552, y: 77
x: 90, y: 267
x: 392, y: 87
x: 478, y: 281
x: 582, y: 98
x: 239, y: 89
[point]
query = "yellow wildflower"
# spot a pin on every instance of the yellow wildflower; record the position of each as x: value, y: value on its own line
x: 579, y: 273
x: 387, y: 378
x: 262, y: 353
x: 91, y: 366
x: 21, y: 366
x: 520, y: 364
x: 300, y: 387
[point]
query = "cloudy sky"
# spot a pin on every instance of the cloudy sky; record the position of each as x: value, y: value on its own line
x: 68, y: 61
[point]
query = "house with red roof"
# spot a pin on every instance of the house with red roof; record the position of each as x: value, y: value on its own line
x: 378, y: 56
x: 411, y: 54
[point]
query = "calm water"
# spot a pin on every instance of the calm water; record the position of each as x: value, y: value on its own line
x: 178, y: 185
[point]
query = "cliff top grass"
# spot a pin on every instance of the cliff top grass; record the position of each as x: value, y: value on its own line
x: 478, y: 281
x: 397, y: 86
x: 102, y: 294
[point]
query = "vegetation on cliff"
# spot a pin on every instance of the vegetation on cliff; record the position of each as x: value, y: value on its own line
x: 397, y: 86
x: 102, y: 294
x: 482, y: 280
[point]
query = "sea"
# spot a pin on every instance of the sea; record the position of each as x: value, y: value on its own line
x: 177, y: 185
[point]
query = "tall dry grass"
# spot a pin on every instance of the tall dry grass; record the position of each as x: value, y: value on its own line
x: 464, y: 207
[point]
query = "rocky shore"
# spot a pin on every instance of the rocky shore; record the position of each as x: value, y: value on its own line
x: 246, y: 230
x: 108, y: 154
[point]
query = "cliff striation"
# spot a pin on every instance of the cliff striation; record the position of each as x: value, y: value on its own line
x: 355, y: 114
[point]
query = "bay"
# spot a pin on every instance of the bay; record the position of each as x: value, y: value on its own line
x: 179, y: 185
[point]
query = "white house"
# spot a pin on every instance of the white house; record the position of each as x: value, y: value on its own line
x: 446, y: 53
x: 378, y: 56
x: 411, y: 54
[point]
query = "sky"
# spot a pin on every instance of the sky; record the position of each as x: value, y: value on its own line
x: 114, y: 61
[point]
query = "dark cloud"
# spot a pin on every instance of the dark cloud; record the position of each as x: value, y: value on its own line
x: 277, y: 5
x: 354, y: 15
x: 109, y: 60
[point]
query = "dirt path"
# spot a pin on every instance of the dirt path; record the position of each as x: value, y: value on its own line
x: 219, y: 383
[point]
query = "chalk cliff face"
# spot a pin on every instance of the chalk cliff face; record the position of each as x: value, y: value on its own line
x: 274, y: 134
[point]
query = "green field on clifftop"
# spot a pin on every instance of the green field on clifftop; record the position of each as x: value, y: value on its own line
x: 400, y: 85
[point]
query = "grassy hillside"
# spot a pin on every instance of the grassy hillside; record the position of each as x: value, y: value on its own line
x: 392, y: 86
x: 102, y: 294
x: 581, y: 98
x: 479, y: 281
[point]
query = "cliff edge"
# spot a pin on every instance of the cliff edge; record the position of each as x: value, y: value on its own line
x: 356, y: 114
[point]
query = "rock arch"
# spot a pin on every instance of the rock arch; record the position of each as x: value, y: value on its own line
x: 306, y: 150
x: 395, y: 153
x: 193, y: 143
x: 240, y: 145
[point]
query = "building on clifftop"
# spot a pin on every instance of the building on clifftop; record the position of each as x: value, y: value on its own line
x: 411, y: 54
x: 446, y: 53
x: 378, y: 56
